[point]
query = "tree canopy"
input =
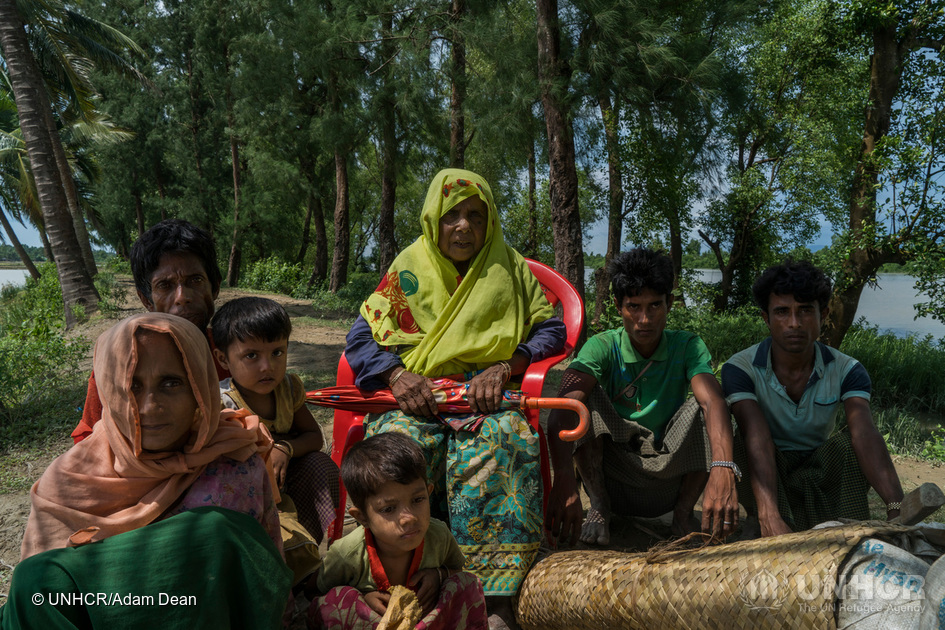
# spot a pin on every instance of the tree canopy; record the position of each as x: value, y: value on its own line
x: 308, y: 131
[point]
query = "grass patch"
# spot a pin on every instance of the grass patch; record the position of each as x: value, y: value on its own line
x: 902, y: 432
x: 906, y: 372
x: 344, y: 323
x: 19, y: 467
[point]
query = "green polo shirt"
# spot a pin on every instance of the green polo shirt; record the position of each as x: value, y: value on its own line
x: 614, y: 362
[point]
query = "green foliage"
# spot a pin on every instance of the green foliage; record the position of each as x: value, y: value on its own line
x: 695, y: 258
x: 902, y: 430
x: 347, y: 301
x: 906, y: 372
x: 273, y: 275
x: 37, y: 309
x: 113, y: 294
x: 36, y: 254
x: 39, y: 366
x: 33, y: 369
x: 934, y: 447
x: 116, y: 265
x: 724, y: 333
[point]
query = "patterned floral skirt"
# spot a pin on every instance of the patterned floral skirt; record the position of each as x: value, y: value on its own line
x: 461, y: 605
x: 487, y: 487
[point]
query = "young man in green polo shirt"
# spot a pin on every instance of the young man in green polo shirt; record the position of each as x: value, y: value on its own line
x: 649, y: 450
x: 785, y: 393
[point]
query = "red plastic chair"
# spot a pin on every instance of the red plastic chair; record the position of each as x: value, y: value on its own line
x: 349, y: 426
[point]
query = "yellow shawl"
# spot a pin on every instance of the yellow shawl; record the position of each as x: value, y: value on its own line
x: 447, y: 324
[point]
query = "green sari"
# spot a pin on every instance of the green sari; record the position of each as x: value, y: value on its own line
x: 205, y: 568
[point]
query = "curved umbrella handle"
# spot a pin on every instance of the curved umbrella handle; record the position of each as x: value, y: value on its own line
x: 584, y: 416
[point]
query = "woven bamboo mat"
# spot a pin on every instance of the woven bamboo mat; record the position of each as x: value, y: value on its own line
x: 779, y: 583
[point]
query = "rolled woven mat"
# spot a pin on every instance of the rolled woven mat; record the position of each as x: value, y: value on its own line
x: 778, y: 583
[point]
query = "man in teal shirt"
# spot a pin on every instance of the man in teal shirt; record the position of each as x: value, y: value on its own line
x: 786, y: 393
x: 649, y: 451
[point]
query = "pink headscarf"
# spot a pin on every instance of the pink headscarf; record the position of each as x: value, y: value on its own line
x: 106, y: 484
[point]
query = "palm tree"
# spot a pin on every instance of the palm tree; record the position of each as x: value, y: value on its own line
x: 17, y: 186
x: 67, y: 47
x: 70, y: 46
x: 32, y: 104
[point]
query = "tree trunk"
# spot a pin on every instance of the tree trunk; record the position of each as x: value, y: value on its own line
x: 47, y: 248
x: 339, y: 262
x: 20, y: 251
x: 386, y: 241
x: 675, y: 248
x: 306, y: 230
x: 159, y: 179
x: 31, y: 103
x: 320, y: 268
x: 458, y: 93
x: 614, y: 207
x: 236, y: 253
x: 554, y: 76
x: 72, y: 195
x: 864, y: 260
x: 531, y: 242
x: 139, y: 207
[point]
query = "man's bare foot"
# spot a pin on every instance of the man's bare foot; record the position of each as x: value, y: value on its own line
x: 596, y: 528
x: 684, y: 524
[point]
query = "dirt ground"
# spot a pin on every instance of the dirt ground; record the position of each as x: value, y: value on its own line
x: 316, y: 348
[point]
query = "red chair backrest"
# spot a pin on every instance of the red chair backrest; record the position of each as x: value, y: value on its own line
x: 558, y: 291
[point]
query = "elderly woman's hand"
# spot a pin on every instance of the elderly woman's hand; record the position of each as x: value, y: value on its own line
x: 412, y: 392
x: 485, y: 389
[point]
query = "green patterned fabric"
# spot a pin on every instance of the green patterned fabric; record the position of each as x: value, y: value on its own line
x: 813, y: 486
x: 220, y: 566
x: 487, y: 487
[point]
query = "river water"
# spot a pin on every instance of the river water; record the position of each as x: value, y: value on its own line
x: 889, y: 305
x: 13, y: 276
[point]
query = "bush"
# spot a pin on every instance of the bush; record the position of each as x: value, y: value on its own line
x: 36, y: 309
x: 274, y: 276
x: 347, y: 301
x: 33, y: 368
x: 39, y: 368
x: 113, y: 294
x: 724, y: 333
x: 906, y: 371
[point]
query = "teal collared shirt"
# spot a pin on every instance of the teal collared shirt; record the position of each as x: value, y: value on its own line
x: 806, y: 424
x: 614, y: 362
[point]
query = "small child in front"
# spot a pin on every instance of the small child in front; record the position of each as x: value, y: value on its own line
x: 251, y: 339
x: 398, y: 544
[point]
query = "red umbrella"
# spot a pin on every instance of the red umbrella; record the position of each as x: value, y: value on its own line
x: 450, y: 397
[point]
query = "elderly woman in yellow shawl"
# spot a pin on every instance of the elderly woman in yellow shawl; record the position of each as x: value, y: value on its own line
x: 460, y: 302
